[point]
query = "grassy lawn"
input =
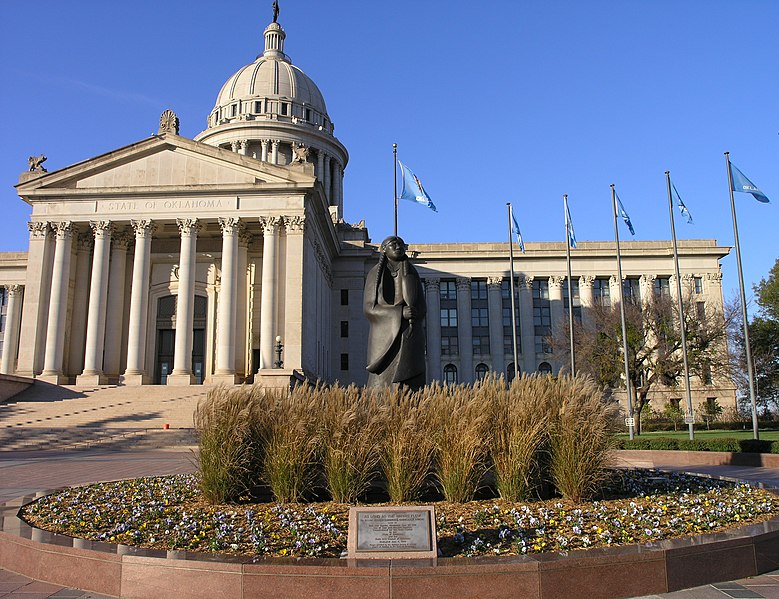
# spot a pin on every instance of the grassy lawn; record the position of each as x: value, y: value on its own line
x: 702, y: 433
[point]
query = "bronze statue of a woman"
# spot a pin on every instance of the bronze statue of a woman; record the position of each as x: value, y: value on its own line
x: 394, y: 303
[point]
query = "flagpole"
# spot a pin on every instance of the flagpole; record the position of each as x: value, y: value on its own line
x: 750, y: 371
x: 680, y: 307
x: 570, y: 284
x: 628, y: 387
x: 513, y: 308
x: 395, y: 183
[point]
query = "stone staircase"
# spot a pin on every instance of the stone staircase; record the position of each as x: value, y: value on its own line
x: 110, y: 417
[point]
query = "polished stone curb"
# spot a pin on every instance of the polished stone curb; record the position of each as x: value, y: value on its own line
x: 614, y: 572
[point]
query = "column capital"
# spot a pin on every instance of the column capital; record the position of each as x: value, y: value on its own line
x: 586, y: 280
x: 14, y: 290
x: 121, y: 239
x: 433, y: 284
x: 526, y: 281
x: 646, y: 279
x: 62, y: 229
x: 495, y: 281
x: 556, y: 281
x: 714, y: 277
x: 101, y: 228
x: 463, y: 283
x: 38, y: 229
x: 229, y: 226
x: 613, y: 279
x: 270, y: 224
x: 245, y: 238
x: 143, y: 228
x: 188, y: 226
x: 85, y: 241
x: 295, y: 224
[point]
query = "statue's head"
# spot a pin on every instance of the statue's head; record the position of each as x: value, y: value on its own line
x: 394, y: 248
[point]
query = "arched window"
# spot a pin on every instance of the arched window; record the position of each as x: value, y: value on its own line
x: 481, y: 371
x: 510, y: 372
x: 450, y: 374
x: 545, y: 368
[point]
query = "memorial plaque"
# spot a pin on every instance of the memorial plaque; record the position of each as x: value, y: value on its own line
x: 392, y: 532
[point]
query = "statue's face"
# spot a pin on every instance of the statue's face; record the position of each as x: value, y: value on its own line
x: 394, y: 248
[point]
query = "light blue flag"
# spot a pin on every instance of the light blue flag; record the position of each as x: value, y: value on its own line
x: 569, y: 226
x: 624, y: 214
x: 515, y: 227
x: 739, y: 182
x: 682, y: 208
x: 411, y: 188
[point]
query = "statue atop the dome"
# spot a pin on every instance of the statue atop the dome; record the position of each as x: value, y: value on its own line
x: 36, y: 164
x: 275, y: 11
x: 169, y: 123
x: 299, y: 154
x: 394, y: 304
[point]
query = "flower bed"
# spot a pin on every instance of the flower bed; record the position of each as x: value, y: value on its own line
x: 638, y: 506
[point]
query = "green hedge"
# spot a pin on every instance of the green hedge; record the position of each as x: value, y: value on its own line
x: 731, y: 445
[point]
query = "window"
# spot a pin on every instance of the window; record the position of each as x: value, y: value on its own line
x: 448, y: 290
x: 662, y: 287
x: 631, y: 289
x: 344, y: 361
x: 542, y: 317
x: 577, y: 307
x: 234, y: 110
x: 284, y: 108
x: 700, y: 310
x: 601, y: 293
x: 545, y: 368
x: 481, y: 345
x: 697, y: 283
x: 448, y: 317
x: 344, y: 328
x: 258, y: 107
x: 344, y: 297
x: 450, y: 374
x: 540, y: 290
x: 449, y: 345
x: 479, y: 317
x: 505, y: 291
x: 479, y: 289
x: 481, y: 372
x: 308, y: 114
x: 675, y: 403
x: 510, y: 372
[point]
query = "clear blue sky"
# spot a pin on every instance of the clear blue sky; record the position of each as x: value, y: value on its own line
x: 489, y: 102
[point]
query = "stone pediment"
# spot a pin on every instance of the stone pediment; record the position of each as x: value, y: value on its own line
x: 161, y: 163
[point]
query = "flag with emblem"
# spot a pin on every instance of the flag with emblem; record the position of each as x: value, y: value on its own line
x: 411, y: 188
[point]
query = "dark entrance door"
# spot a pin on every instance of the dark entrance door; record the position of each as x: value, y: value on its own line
x: 166, y: 338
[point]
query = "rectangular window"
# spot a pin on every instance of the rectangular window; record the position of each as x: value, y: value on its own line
x: 479, y: 289
x: 697, y: 283
x: 662, y: 287
x: 258, y: 107
x: 449, y: 346
x: 234, y: 110
x: 601, y: 292
x: 344, y: 297
x: 700, y: 308
x: 284, y: 109
x: 308, y: 114
x: 344, y: 361
x: 480, y: 317
x: 448, y: 290
x: 344, y: 328
x: 540, y: 290
x: 631, y: 289
x: 481, y: 345
x: 448, y: 317
x: 676, y: 403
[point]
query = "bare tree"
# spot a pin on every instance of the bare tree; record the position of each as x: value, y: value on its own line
x: 654, y: 345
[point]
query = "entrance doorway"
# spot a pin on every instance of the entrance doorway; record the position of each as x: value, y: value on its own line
x: 166, y: 339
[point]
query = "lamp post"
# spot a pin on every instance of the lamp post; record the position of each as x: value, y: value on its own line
x: 279, y: 348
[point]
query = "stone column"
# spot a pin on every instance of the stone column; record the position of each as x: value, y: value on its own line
x: 585, y: 297
x: 557, y: 310
x: 270, y: 229
x: 320, y: 166
x: 135, y: 373
x: 225, y: 330
x: 294, y: 319
x: 264, y: 154
x: 98, y: 291
x: 116, y: 304
x: 78, y: 323
x: 242, y: 305
x: 185, y: 304
x: 646, y: 287
x: 243, y: 147
x: 274, y: 153
x: 11, y: 333
x: 35, y: 309
x: 495, y: 303
x: 614, y: 290
x: 712, y: 291
x: 527, y: 330
x: 433, y: 319
x: 327, y: 179
x: 234, y: 146
x: 338, y: 175
x: 464, y: 330
x: 58, y: 305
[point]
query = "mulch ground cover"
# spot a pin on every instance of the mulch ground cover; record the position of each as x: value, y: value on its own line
x: 637, y: 506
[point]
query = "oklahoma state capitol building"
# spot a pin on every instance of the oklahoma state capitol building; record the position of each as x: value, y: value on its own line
x: 186, y: 261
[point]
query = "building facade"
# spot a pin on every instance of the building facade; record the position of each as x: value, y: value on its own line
x: 209, y: 260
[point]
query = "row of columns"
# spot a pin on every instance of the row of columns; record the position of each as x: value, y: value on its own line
x: 105, y: 309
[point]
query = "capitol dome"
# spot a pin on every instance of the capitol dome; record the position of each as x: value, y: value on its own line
x: 272, y: 111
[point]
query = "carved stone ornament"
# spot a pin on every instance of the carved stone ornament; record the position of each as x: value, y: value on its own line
x: 36, y: 163
x: 143, y: 228
x: 295, y: 223
x: 101, y: 228
x: 62, y: 229
x: 495, y: 281
x: 300, y: 154
x: 527, y: 281
x: 556, y: 281
x: 169, y: 123
x: 433, y: 285
x: 714, y: 277
x: 586, y: 280
x: 121, y: 240
x: 270, y: 224
x: 14, y: 290
x: 230, y: 226
x: 188, y: 226
x: 38, y: 230
x: 463, y: 283
x: 85, y: 242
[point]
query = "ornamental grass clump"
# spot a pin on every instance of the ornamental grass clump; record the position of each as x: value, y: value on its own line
x: 459, y: 426
x: 351, y: 426
x: 288, y: 433
x: 406, y: 451
x: 518, y: 430
x: 580, y: 439
x: 225, y: 421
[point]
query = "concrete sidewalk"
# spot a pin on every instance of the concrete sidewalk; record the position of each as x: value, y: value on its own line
x: 28, y: 472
